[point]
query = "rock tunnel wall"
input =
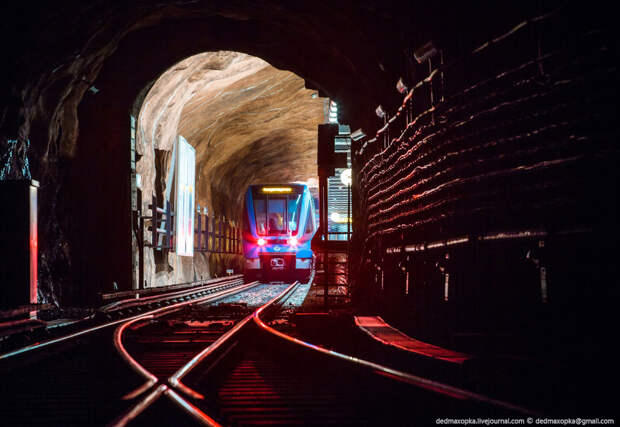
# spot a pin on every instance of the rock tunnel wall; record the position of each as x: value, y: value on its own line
x: 237, y: 111
x: 494, y: 211
x: 76, y: 68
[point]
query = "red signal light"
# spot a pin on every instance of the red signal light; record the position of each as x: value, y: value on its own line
x: 293, y: 241
x: 261, y: 242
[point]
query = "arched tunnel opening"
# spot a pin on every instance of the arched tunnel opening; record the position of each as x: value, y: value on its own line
x: 480, y: 140
x: 248, y: 122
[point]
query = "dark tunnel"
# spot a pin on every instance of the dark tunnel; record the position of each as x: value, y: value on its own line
x: 483, y: 199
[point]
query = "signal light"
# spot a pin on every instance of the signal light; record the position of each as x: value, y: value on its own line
x: 293, y: 241
x: 261, y: 242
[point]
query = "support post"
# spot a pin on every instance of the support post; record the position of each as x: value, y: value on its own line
x: 140, y: 241
x: 199, y: 234
x: 168, y: 225
x: 154, y: 222
x: 219, y: 245
x: 19, y: 243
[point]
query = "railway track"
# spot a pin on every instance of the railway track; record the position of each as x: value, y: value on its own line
x: 78, y: 378
x: 254, y: 375
x: 183, y: 362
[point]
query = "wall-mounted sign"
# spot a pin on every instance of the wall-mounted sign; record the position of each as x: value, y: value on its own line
x: 185, y: 191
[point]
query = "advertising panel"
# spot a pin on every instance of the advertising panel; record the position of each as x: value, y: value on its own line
x: 185, y: 191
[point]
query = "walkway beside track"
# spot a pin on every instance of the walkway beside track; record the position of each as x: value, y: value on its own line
x: 380, y: 331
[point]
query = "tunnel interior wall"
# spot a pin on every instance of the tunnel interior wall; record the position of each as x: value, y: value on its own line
x: 494, y: 213
x: 77, y: 67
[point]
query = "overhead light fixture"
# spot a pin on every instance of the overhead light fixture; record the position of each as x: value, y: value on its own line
x: 357, y: 135
x: 345, y: 177
x: 401, y: 86
x: 380, y: 112
x: 340, y: 219
x: 425, y: 52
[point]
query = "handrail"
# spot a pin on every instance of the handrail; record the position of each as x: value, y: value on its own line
x: 414, y: 380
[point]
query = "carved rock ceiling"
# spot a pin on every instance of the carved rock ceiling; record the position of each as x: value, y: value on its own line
x: 248, y: 121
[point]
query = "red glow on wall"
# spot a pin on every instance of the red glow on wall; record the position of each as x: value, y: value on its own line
x: 34, y: 245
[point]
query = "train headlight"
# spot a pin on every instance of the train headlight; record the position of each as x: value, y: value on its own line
x: 293, y: 241
x: 261, y: 242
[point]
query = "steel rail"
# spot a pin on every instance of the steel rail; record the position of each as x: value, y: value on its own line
x: 434, y: 386
x: 141, y: 406
x: 47, y: 343
x: 159, y: 290
x: 172, y: 294
x: 191, y: 409
x: 137, y: 409
x: 152, y: 380
x: 174, y: 380
x: 522, y: 234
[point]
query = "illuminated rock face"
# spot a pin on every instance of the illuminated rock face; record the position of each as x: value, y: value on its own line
x: 248, y: 121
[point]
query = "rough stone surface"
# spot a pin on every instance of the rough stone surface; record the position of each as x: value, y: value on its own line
x: 248, y: 121
x: 74, y: 70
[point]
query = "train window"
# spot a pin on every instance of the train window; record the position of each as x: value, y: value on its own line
x: 309, y: 221
x: 293, y: 212
x: 261, y: 217
x: 276, y: 216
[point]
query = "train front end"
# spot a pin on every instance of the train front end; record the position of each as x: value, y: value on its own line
x: 278, y: 227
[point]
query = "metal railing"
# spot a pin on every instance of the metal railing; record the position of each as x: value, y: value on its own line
x: 161, y: 228
x: 216, y: 235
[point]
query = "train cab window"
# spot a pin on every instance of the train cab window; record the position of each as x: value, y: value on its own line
x: 293, y: 212
x: 276, y: 216
x: 261, y: 216
x: 309, y: 222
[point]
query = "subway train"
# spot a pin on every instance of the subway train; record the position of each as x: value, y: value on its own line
x: 278, y: 225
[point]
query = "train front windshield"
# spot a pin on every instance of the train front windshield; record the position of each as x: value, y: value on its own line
x: 277, y: 215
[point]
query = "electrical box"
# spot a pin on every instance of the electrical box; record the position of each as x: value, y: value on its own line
x: 18, y: 243
x: 327, y: 158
